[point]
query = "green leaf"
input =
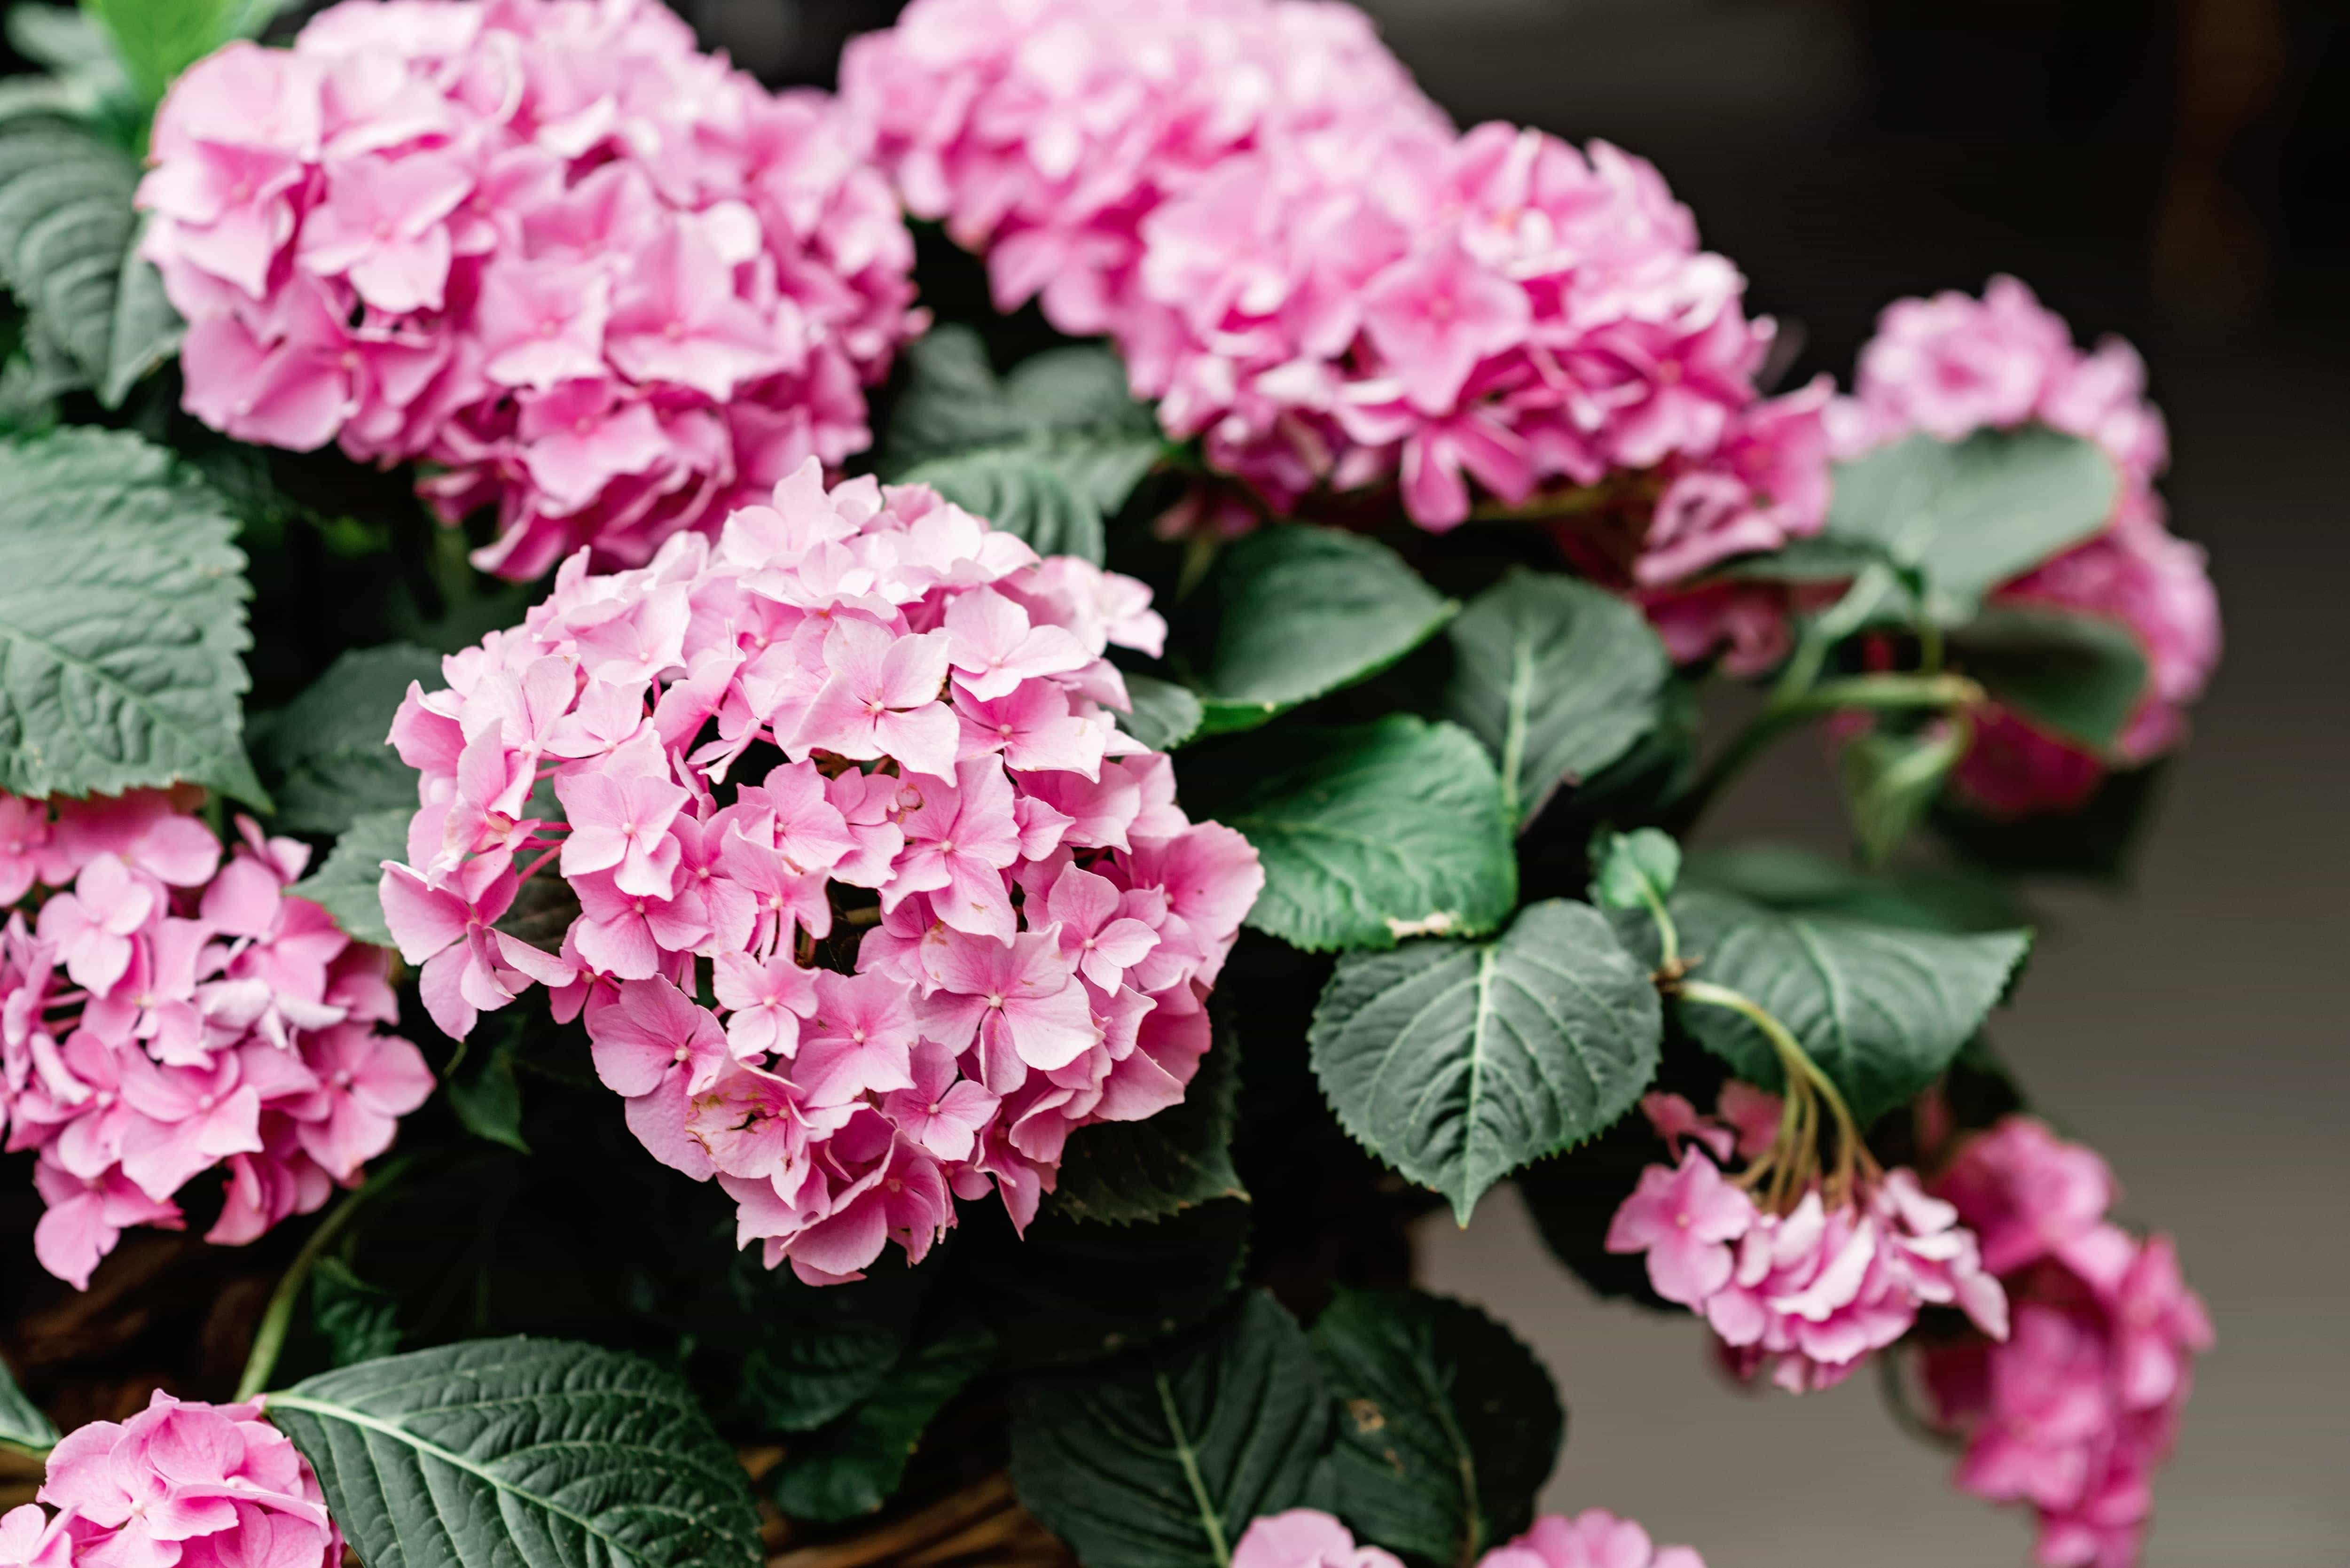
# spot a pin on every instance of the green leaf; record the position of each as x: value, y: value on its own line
x: 1636, y: 870
x: 2080, y: 676
x: 86, y: 78
x: 158, y: 39
x: 537, y: 1453
x: 358, y: 1321
x: 1120, y: 1172
x: 121, y: 622
x: 1047, y: 452
x: 853, y: 1467
x: 1368, y: 834
x: 1301, y: 612
x: 22, y: 1423
x: 2096, y: 841
x: 1447, y: 1424
x: 487, y: 1102
x: 1165, y: 715
x: 1881, y: 1008
x: 815, y: 1351
x: 1931, y: 899
x: 68, y: 251
x: 324, y: 755
x: 1891, y: 777
x: 1458, y: 1061
x: 346, y: 885
x: 1070, y: 1291
x: 1161, y: 1460
x: 1559, y: 679
x: 1022, y: 496
x: 1966, y: 516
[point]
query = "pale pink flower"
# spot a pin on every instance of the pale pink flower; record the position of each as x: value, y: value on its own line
x: 1684, y: 1221
x: 1305, y: 1538
x: 1592, y: 1539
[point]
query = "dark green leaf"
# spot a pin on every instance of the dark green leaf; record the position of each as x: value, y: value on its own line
x: 1447, y: 1424
x: 1969, y: 515
x: 1301, y: 612
x: 1120, y: 1172
x: 1559, y: 679
x: 488, y: 1101
x: 1634, y: 871
x: 324, y: 755
x: 535, y: 1453
x: 1165, y: 715
x: 2096, y: 840
x: 853, y: 1467
x: 1073, y: 1292
x: 68, y: 251
x: 1368, y: 834
x: 121, y: 622
x: 346, y: 885
x: 1891, y: 777
x: 358, y: 1321
x: 1880, y: 1008
x: 22, y: 1423
x: 2079, y: 676
x: 1021, y: 496
x: 818, y: 1351
x: 1458, y: 1061
x: 1160, y: 1460
x: 544, y: 905
x: 1785, y: 877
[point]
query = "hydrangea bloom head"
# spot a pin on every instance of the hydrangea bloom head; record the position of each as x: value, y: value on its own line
x: 1306, y: 1537
x: 1806, y: 1294
x: 852, y: 770
x: 204, y: 1486
x: 166, y: 1013
x: 1953, y: 365
x: 2076, y: 1412
x: 1310, y: 271
x: 604, y: 282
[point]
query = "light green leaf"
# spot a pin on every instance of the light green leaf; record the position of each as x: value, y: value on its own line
x: 22, y: 1423
x: 1120, y: 1172
x: 324, y: 755
x: 77, y: 53
x: 533, y: 1453
x: 1368, y: 834
x: 853, y: 1467
x: 69, y: 251
x: 1891, y: 777
x: 158, y: 39
x: 1458, y: 1061
x: 1447, y: 1424
x: 346, y: 885
x: 1165, y: 715
x: 1558, y: 678
x: 121, y: 622
x: 1966, y: 516
x: 2080, y: 676
x: 1881, y: 1008
x: 1303, y: 612
x: 1160, y: 1460
x: 1634, y: 871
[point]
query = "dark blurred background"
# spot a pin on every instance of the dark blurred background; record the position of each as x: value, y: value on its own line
x: 2175, y: 170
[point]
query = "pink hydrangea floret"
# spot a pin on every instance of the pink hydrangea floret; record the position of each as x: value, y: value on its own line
x: 2076, y: 1412
x: 164, y: 1013
x: 1952, y: 365
x: 1306, y: 1537
x: 597, y: 279
x: 852, y: 771
x: 1806, y: 1296
x: 1310, y: 271
x: 182, y: 1482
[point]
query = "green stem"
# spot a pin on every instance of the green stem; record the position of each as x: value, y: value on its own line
x: 1668, y: 934
x: 269, y: 1339
x: 1803, y: 1077
x: 1891, y: 693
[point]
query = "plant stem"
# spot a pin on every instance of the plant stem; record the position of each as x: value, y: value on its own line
x: 269, y: 1339
x: 1804, y: 1083
x: 1890, y: 694
x: 1668, y: 934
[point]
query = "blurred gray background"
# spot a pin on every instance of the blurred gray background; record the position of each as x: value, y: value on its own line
x: 2175, y: 170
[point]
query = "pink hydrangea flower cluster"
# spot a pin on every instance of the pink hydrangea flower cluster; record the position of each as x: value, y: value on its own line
x: 1807, y: 1294
x: 1952, y: 365
x: 602, y: 281
x: 162, y: 1012
x: 182, y: 1482
x: 1311, y: 271
x: 2076, y: 1412
x: 925, y: 733
x: 1306, y: 1537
